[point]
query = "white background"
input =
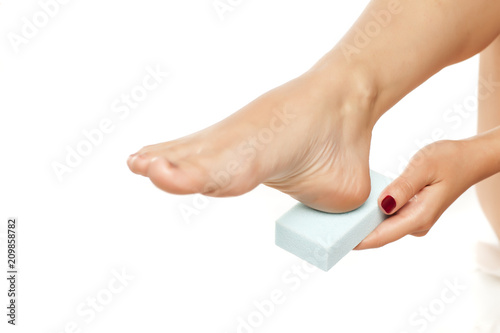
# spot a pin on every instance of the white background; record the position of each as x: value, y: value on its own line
x: 203, y: 273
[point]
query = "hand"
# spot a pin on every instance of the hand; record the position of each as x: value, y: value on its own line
x: 435, y: 177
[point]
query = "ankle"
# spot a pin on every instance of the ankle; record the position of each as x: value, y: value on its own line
x: 352, y: 88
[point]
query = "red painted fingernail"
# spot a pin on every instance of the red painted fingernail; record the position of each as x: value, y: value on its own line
x: 388, y: 204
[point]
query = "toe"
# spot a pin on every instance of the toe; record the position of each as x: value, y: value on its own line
x: 176, y: 179
x: 188, y: 177
x: 139, y: 163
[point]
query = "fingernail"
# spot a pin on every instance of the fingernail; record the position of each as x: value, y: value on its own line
x: 388, y: 204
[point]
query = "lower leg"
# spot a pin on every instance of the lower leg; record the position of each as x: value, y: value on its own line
x: 310, y: 137
x: 488, y: 190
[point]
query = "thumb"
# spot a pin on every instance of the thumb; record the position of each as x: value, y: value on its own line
x: 403, y: 188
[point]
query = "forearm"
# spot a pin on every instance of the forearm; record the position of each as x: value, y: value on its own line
x: 408, y: 41
x: 482, y: 155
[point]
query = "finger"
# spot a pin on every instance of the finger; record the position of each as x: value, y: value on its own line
x: 416, y: 217
x: 392, y: 229
x: 403, y: 188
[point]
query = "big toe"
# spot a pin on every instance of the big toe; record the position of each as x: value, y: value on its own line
x: 139, y: 163
x: 180, y: 178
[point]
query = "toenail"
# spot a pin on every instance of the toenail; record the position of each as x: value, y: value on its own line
x: 134, y: 157
x: 388, y: 204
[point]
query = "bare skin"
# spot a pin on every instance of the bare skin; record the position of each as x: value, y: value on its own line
x: 441, y: 172
x: 488, y: 190
x: 319, y: 155
x: 435, y: 177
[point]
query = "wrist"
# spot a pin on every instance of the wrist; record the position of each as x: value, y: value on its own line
x: 482, y: 153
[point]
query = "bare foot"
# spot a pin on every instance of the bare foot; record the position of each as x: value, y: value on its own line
x: 309, y: 138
